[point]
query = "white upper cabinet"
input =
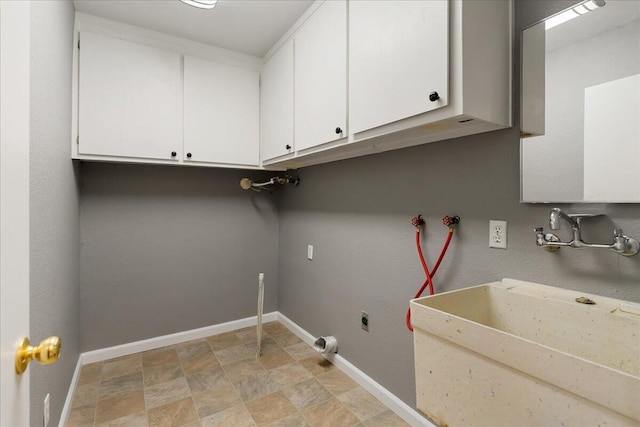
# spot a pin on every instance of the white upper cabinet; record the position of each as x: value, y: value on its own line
x: 130, y: 99
x: 349, y: 78
x: 398, y: 60
x: 276, y: 103
x: 221, y: 113
x: 321, y: 77
x: 418, y: 72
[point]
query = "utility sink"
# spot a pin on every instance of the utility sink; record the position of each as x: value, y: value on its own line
x: 514, y: 353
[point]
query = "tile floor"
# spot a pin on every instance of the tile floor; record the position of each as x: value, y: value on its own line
x: 217, y: 381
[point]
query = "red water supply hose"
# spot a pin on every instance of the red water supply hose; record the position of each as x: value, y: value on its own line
x: 418, y: 222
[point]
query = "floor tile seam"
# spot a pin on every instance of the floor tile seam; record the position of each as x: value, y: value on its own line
x: 242, y: 402
x: 95, y: 409
x: 290, y: 415
x: 317, y: 403
x: 226, y: 374
x: 209, y: 343
x: 146, y: 409
x: 144, y: 395
x: 95, y: 414
x: 144, y: 386
x: 264, y: 334
x: 255, y: 423
x: 297, y: 381
x: 181, y: 359
x: 238, y: 390
x: 304, y: 417
x: 371, y: 417
x: 238, y: 395
x: 280, y: 386
x: 193, y: 402
x: 298, y: 410
x: 279, y: 391
x: 264, y: 396
x: 345, y: 406
x: 230, y: 382
x: 334, y: 394
x: 350, y: 410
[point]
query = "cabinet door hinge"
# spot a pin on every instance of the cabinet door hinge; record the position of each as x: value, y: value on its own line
x: 78, y: 139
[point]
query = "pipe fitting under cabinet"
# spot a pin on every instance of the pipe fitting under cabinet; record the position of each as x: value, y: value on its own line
x: 622, y: 244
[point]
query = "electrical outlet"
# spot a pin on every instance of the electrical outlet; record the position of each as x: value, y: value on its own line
x: 364, y: 321
x: 46, y: 410
x: 310, y: 252
x: 498, y: 234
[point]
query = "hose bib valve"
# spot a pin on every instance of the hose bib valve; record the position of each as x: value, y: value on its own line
x: 451, y: 222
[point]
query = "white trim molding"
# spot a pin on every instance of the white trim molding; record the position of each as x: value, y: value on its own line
x: 72, y: 390
x: 401, y: 409
x: 404, y: 411
x: 177, y: 338
x: 151, y: 344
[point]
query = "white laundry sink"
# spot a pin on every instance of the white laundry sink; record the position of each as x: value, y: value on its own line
x: 514, y: 353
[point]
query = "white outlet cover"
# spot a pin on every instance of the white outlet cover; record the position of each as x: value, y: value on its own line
x: 497, y: 234
x: 310, y: 252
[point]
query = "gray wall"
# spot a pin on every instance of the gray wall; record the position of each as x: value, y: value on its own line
x: 167, y: 249
x: 357, y: 215
x: 54, y: 221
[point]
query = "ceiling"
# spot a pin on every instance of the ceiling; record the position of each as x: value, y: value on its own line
x: 247, y: 26
x: 613, y: 15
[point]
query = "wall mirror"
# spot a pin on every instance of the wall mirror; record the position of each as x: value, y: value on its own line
x: 580, y: 105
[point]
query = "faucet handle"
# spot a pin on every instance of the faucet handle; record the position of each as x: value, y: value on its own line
x: 538, y: 230
x: 623, y: 244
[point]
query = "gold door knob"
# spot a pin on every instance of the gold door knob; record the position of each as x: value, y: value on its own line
x: 47, y: 352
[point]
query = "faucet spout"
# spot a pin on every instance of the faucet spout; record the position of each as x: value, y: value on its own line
x: 556, y: 215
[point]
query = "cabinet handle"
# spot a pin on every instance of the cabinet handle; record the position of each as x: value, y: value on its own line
x: 189, y: 155
x: 433, y: 96
x: 173, y: 154
x: 288, y: 147
x: 338, y: 130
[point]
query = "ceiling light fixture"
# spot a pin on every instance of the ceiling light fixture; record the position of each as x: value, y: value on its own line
x: 574, y: 12
x: 201, y: 4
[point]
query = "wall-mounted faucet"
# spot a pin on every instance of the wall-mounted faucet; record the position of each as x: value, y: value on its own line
x: 621, y: 244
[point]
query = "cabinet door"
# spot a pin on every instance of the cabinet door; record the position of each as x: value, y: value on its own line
x: 130, y: 99
x: 321, y: 76
x: 221, y: 113
x: 398, y: 56
x: 276, y: 103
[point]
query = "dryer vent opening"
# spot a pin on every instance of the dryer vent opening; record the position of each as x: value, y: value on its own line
x: 326, y: 345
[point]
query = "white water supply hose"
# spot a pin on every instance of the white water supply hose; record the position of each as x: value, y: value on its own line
x: 260, y: 306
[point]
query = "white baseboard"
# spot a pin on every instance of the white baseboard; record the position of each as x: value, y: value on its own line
x: 151, y: 344
x: 404, y: 411
x: 72, y: 390
x: 165, y: 340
